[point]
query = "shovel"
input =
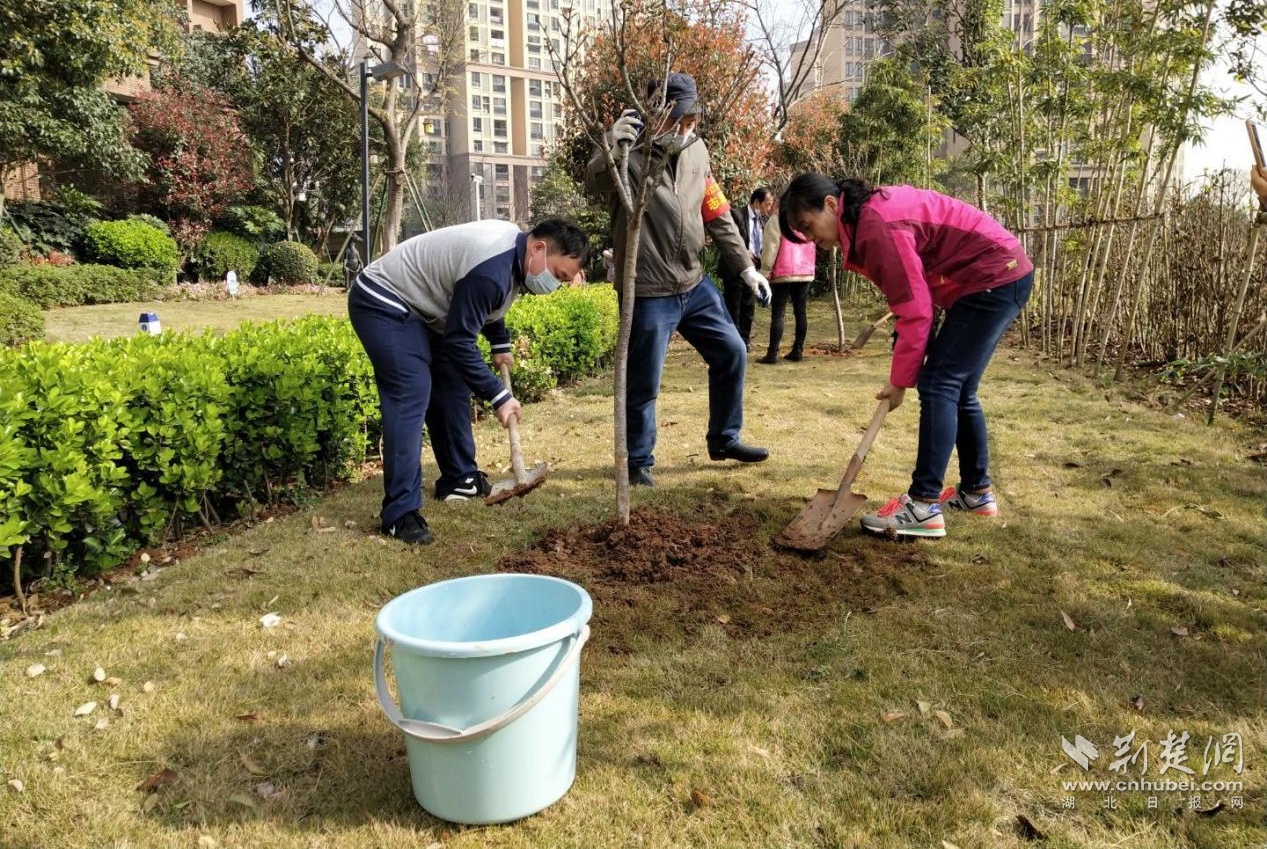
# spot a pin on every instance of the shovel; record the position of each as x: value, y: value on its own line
x: 829, y: 510
x: 870, y: 329
x: 524, y: 481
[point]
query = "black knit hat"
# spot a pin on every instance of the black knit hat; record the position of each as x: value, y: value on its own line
x: 680, y: 91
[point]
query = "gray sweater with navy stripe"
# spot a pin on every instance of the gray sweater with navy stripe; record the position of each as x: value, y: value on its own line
x: 461, y: 281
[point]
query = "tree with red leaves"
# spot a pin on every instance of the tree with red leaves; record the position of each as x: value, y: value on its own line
x: 199, y: 160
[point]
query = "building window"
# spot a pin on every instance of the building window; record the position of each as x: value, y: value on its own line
x: 534, y: 23
x: 534, y: 63
x: 534, y: 5
x: 475, y: 33
x: 495, y: 16
x: 476, y: 82
x: 475, y: 103
x: 502, y: 171
x: 534, y: 109
x: 499, y: 106
x: 537, y: 131
x: 501, y: 147
x: 473, y: 12
x: 499, y: 58
x: 499, y: 129
x: 475, y: 55
x: 477, y: 125
x: 536, y: 149
x: 477, y: 146
x: 497, y: 34
x: 534, y: 43
x: 534, y: 88
x: 499, y: 84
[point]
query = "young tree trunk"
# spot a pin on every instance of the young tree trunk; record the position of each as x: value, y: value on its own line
x: 835, y: 299
x: 1230, y: 344
x: 621, y: 385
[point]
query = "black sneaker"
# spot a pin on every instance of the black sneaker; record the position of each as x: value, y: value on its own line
x: 739, y: 451
x: 770, y: 359
x: 474, y: 486
x: 794, y: 356
x: 640, y: 477
x: 411, y: 528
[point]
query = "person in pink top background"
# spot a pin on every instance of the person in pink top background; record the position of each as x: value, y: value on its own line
x: 791, y: 269
x: 925, y: 249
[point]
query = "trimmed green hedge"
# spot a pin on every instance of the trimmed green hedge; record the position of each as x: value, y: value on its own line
x: 106, y: 445
x: 287, y: 263
x: 49, y: 286
x: 131, y: 244
x: 219, y: 252
x: 20, y: 320
x: 10, y: 247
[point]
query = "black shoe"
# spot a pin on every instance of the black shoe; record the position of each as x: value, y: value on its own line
x: 794, y: 355
x: 411, y: 528
x: 739, y: 451
x: 771, y: 358
x: 640, y: 477
x: 474, y: 486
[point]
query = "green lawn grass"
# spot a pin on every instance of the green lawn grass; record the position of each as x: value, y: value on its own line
x: 766, y: 698
x: 76, y: 324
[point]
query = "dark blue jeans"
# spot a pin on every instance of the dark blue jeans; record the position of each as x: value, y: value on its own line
x: 950, y: 415
x: 416, y: 383
x: 701, y: 317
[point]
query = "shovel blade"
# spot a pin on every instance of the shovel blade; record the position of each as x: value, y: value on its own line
x: 820, y: 520
x: 508, y: 489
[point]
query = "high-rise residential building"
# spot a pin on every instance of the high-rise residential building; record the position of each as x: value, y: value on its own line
x: 849, y: 45
x: 505, y: 106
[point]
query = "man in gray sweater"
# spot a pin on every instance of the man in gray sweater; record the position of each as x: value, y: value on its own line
x: 672, y: 293
x: 418, y: 310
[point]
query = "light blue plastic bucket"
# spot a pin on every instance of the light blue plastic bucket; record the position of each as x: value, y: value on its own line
x: 488, y: 673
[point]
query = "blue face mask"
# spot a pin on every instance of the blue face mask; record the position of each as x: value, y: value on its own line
x: 543, y: 282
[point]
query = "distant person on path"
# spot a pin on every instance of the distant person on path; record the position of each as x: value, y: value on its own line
x: 231, y: 283
x: 751, y: 221
x: 791, y: 269
x: 418, y: 310
x: 925, y: 249
x: 672, y: 292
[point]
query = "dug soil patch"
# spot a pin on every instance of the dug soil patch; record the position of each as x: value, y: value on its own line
x: 667, y: 574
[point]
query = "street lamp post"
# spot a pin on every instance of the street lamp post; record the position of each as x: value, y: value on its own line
x: 384, y: 71
x: 476, y: 182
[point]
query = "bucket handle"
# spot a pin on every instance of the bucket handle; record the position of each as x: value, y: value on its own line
x: 434, y: 732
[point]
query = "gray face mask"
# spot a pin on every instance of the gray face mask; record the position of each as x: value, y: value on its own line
x: 673, y: 143
x: 543, y: 282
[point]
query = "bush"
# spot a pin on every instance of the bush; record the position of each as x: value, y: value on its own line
x: 219, y: 252
x: 287, y: 263
x: 258, y: 223
x: 152, y: 220
x: 10, y: 247
x: 20, y: 320
x: 135, y: 436
x: 49, y: 286
x: 574, y: 329
x: 45, y: 227
x: 131, y: 244
x: 330, y: 274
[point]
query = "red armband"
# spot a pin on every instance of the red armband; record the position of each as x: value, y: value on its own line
x: 715, y: 204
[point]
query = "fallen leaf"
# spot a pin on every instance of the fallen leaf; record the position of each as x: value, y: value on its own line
x: 924, y: 707
x: 113, y: 701
x: 350, y: 525
x: 270, y: 620
x: 149, y: 803
x: 98, y: 675
x: 946, y: 844
x: 1179, y: 630
x: 145, y: 557
x: 148, y: 686
x: 85, y: 709
x: 251, y: 766
x: 1069, y: 623
x: 249, y: 717
x: 17, y: 785
x: 180, y: 636
x: 700, y: 799
x: 243, y: 572
x: 35, y: 670
x: 166, y: 775
x: 266, y: 789
x: 1058, y: 767
x: 326, y: 530
x: 256, y: 552
x: 283, y: 662
x: 113, y: 682
x: 1137, y: 702
x: 944, y: 717
x: 102, y: 724
x: 890, y: 718
x: 1027, y: 829
x: 723, y: 619
x: 313, y: 741
x: 243, y: 800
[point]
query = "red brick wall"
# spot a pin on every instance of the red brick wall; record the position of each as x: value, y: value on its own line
x: 22, y: 183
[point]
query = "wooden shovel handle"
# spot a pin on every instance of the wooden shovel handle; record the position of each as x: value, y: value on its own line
x: 855, y: 462
x: 516, y: 449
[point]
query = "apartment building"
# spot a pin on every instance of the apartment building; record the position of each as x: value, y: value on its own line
x: 849, y: 45
x: 506, y: 107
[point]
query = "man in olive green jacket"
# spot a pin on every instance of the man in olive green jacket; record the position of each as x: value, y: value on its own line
x: 672, y: 292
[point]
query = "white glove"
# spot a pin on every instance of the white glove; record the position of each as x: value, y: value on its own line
x: 758, y: 284
x: 625, y: 129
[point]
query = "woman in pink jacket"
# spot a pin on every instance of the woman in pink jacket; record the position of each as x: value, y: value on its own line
x: 924, y: 249
x: 791, y: 272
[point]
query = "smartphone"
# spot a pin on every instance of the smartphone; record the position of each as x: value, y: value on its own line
x: 1256, y: 142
